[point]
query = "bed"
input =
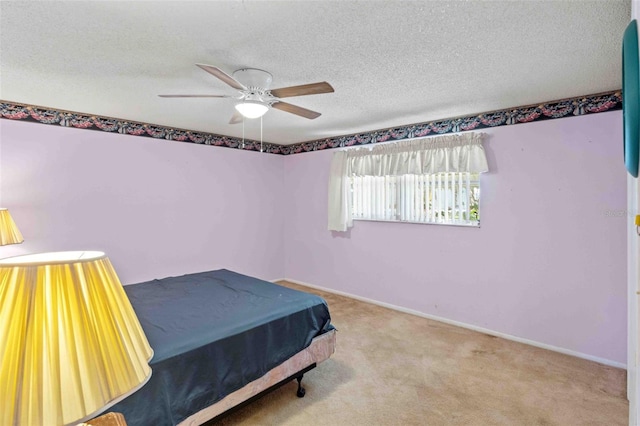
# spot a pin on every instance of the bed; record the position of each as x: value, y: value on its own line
x: 221, y: 339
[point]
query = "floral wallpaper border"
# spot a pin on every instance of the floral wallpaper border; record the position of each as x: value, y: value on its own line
x: 38, y: 114
x: 582, y: 105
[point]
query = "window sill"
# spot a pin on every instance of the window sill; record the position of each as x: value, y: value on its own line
x: 463, y: 225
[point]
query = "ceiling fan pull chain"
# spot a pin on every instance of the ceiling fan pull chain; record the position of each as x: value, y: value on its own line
x: 243, y: 132
x: 260, y: 133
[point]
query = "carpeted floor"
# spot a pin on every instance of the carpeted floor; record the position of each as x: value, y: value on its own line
x: 392, y: 368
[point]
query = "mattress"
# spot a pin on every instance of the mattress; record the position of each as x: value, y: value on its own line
x: 213, y: 333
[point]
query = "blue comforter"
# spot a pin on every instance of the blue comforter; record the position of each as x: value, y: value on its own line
x: 212, y: 333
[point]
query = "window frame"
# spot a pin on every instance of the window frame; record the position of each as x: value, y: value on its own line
x: 442, y: 179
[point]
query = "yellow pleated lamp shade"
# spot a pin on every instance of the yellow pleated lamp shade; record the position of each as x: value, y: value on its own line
x: 71, y: 345
x: 9, y: 232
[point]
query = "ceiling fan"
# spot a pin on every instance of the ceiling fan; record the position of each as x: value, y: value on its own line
x: 255, y: 95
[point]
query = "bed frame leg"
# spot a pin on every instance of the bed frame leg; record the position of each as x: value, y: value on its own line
x: 300, y: 393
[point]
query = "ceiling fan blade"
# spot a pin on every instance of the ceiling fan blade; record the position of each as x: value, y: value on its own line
x: 294, y: 109
x: 194, y: 96
x: 217, y: 72
x: 305, y: 89
x: 236, y: 118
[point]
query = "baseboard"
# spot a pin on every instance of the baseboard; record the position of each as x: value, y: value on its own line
x: 463, y: 325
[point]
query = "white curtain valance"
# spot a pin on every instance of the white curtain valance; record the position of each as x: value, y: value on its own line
x: 449, y: 153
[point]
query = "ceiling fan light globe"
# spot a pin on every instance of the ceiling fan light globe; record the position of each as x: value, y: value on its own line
x: 252, y: 109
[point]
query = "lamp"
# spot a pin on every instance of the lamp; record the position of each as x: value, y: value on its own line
x: 9, y: 232
x: 71, y: 343
x: 252, y: 109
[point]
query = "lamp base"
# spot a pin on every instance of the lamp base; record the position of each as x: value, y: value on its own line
x: 109, y: 419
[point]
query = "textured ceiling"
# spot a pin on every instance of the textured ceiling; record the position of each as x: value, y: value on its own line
x: 391, y: 63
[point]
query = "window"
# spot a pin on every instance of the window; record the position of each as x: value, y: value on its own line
x: 440, y: 198
x: 425, y: 180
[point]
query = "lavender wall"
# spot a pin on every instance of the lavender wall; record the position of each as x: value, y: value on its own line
x: 157, y: 208
x: 547, y: 265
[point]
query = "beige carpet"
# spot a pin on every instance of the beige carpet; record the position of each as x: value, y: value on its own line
x: 392, y: 368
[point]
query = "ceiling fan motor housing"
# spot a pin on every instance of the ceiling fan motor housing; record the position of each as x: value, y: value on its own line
x: 257, y: 83
x: 254, y: 78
